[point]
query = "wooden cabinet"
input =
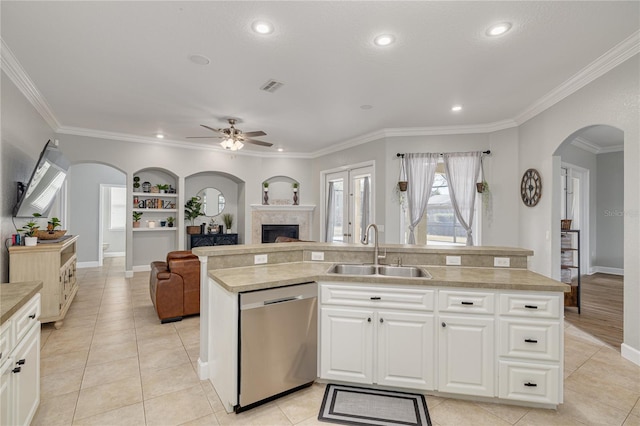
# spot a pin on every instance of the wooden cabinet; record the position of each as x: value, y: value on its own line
x: 362, y: 340
x: 55, y: 265
x: 202, y: 240
x: 20, y: 366
x: 530, y: 348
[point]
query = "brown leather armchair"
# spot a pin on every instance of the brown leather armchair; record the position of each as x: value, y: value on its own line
x: 174, y: 286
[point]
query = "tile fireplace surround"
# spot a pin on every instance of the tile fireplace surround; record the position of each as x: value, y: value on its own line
x: 301, y: 215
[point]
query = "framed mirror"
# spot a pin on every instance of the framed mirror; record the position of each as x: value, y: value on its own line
x: 213, y: 201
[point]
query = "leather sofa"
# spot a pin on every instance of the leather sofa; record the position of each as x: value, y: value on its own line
x: 174, y: 286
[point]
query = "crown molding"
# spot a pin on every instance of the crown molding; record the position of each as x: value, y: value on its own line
x: 124, y: 137
x: 605, y: 63
x: 415, y: 131
x: 12, y: 68
x: 589, y: 146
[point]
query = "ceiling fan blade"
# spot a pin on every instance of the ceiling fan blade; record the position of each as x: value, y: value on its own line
x: 211, y: 128
x: 203, y: 137
x: 256, y: 133
x: 257, y: 142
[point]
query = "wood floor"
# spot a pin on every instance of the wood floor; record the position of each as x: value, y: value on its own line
x: 601, y: 311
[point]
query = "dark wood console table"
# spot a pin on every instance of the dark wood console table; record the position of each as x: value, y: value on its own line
x: 202, y: 240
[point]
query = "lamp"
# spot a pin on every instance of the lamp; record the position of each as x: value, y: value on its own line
x: 231, y: 144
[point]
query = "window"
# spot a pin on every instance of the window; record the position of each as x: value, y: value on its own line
x: 117, y: 208
x: 439, y: 225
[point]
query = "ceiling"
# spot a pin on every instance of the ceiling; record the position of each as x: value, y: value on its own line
x: 123, y: 69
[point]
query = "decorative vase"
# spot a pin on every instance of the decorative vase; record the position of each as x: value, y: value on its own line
x: 30, y: 241
x: 146, y: 187
x: 193, y: 229
x: 265, y: 197
x: 295, y: 198
x: 170, y: 224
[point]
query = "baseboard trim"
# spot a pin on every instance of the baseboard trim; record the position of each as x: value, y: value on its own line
x: 607, y: 270
x: 113, y: 254
x: 632, y: 354
x: 92, y: 264
x: 142, y: 268
x: 203, y: 370
x: 128, y: 274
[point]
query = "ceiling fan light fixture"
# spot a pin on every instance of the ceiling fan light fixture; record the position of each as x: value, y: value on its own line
x: 231, y: 144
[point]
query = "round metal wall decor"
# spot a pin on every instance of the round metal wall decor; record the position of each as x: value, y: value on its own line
x: 531, y: 187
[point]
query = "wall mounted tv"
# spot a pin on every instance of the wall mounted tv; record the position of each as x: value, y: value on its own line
x: 45, y: 182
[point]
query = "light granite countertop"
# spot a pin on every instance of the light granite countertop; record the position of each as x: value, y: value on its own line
x: 14, y: 295
x: 261, y: 277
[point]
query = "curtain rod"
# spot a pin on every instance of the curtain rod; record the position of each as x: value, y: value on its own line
x: 487, y: 152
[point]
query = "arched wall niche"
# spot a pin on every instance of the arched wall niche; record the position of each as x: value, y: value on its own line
x: 281, y: 190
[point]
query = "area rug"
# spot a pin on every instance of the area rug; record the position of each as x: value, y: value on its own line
x: 351, y: 405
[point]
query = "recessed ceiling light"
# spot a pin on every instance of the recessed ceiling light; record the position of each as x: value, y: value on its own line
x: 498, y: 29
x: 384, y: 40
x: 160, y: 136
x: 200, y: 59
x: 262, y: 27
x: 456, y: 108
x: 280, y: 149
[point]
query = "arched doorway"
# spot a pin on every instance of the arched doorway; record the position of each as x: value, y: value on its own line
x: 588, y: 189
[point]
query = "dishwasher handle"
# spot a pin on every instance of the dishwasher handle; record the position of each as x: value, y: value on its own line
x: 281, y: 300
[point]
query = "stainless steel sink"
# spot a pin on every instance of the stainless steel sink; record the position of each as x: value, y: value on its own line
x: 403, y: 271
x: 384, y: 270
x: 345, y: 269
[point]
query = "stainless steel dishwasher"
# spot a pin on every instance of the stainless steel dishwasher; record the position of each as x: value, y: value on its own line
x: 278, y: 342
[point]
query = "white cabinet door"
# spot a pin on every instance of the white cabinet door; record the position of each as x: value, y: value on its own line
x: 346, y: 345
x: 6, y: 386
x: 405, y: 350
x: 466, y: 355
x: 27, y: 380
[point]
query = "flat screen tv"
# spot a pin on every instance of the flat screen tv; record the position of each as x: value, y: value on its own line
x: 45, y: 182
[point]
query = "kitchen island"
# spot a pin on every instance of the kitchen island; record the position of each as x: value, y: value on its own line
x: 471, y: 330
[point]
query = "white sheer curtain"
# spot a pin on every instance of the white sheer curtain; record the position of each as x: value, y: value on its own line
x: 462, y: 170
x: 365, y: 207
x: 421, y: 168
x: 331, y: 212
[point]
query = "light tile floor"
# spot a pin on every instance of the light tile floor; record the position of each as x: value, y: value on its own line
x: 113, y: 363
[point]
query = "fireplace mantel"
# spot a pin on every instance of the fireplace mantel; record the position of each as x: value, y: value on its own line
x: 283, y: 207
x: 281, y: 214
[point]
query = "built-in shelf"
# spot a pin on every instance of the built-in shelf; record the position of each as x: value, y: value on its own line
x: 156, y: 210
x: 154, y: 194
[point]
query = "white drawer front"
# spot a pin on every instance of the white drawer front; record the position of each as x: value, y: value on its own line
x: 26, y: 316
x: 538, y: 340
x: 377, y: 297
x: 466, y: 302
x: 532, y: 306
x: 529, y: 382
x: 6, y: 339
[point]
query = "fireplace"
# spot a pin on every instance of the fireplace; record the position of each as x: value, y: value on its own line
x: 271, y: 232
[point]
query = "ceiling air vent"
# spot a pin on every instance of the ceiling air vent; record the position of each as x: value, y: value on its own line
x: 271, y: 86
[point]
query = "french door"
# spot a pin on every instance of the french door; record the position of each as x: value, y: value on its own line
x: 348, y: 204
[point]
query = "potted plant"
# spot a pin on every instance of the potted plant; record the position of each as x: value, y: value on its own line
x: 163, y: 187
x: 136, y: 184
x: 482, y: 187
x: 53, y: 223
x: 265, y: 196
x: 136, y: 219
x: 192, y: 210
x: 227, y: 218
x: 170, y: 221
x: 31, y: 231
x: 402, y: 179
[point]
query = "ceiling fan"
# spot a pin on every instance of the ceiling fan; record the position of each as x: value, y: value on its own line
x: 234, y: 139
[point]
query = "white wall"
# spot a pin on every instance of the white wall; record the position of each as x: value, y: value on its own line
x: 609, y: 215
x: 612, y: 100
x: 24, y: 134
x: 116, y: 238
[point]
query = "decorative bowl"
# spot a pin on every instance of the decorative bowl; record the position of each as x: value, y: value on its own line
x: 51, y: 235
